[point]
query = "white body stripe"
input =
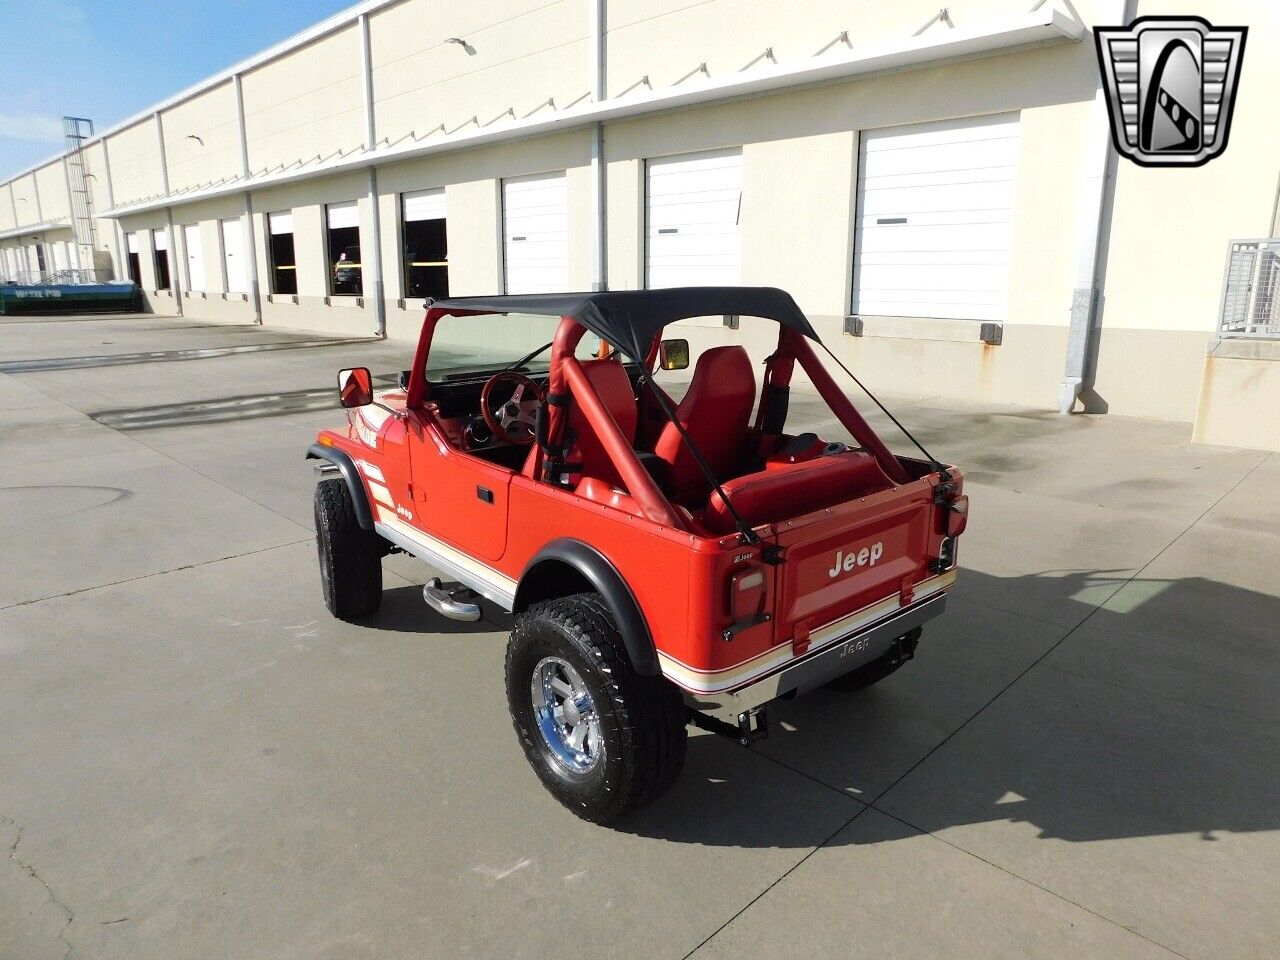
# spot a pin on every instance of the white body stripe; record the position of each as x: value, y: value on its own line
x: 381, y: 494
x: 482, y: 578
x: 742, y: 674
x: 371, y: 471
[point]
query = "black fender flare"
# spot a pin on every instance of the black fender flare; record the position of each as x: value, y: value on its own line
x: 346, y: 466
x: 539, y: 582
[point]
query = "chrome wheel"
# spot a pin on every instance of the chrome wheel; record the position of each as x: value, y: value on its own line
x: 566, y: 715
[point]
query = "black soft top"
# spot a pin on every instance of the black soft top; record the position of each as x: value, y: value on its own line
x: 629, y: 319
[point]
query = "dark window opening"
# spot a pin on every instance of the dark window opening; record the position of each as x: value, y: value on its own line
x: 284, y: 267
x: 135, y: 268
x: 346, y: 273
x: 161, y: 261
x: 40, y: 263
x: 426, y: 259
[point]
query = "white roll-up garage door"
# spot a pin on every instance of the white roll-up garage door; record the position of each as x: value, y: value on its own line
x: 424, y: 205
x: 935, y: 219
x: 692, y: 211
x: 233, y: 256
x: 535, y: 226
x: 195, y: 256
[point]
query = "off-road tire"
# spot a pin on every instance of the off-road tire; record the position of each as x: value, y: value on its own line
x: 642, y: 719
x: 350, y: 556
x: 875, y: 671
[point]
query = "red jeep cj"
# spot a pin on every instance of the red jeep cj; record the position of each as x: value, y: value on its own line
x: 666, y: 563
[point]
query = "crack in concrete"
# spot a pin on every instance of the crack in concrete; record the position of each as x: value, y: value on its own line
x: 148, y: 576
x: 30, y: 871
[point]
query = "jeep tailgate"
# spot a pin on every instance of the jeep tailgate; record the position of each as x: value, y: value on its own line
x: 839, y: 561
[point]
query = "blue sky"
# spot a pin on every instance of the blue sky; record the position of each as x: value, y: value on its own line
x: 108, y: 59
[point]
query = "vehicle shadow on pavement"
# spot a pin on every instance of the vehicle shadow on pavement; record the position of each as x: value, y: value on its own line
x: 1155, y: 716
x: 404, y: 611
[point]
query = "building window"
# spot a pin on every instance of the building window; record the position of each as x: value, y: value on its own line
x: 233, y: 256
x: 346, y: 275
x: 284, y: 264
x: 195, y: 257
x: 426, y: 245
x: 160, y: 258
x: 135, y: 261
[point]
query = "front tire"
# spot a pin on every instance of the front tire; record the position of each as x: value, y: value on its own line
x: 350, y: 556
x: 602, y: 739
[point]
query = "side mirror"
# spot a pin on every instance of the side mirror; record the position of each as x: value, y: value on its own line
x: 355, y: 387
x: 673, y: 354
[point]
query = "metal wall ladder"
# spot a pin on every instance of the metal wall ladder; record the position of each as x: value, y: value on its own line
x: 77, y: 131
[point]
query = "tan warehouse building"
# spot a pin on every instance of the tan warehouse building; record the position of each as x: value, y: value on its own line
x: 936, y: 188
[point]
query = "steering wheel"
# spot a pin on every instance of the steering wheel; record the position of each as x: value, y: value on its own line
x: 510, y: 420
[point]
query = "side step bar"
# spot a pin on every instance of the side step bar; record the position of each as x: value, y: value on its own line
x: 451, y: 600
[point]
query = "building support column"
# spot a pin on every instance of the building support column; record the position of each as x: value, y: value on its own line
x: 35, y: 192
x: 372, y: 256
x: 175, y: 282
x: 117, y: 232
x: 250, y: 246
x: 599, y: 166
x: 39, y: 237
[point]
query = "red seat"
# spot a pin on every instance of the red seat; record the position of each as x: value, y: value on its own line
x: 610, y: 380
x: 716, y: 413
x: 792, y: 490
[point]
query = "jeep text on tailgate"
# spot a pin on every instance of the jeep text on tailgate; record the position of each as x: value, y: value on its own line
x: 667, y: 563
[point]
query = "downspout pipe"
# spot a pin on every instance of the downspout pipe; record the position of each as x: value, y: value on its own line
x: 1093, y: 229
x: 599, y: 167
x: 171, y: 254
x: 255, y: 286
x: 175, y: 282
x: 372, y: 256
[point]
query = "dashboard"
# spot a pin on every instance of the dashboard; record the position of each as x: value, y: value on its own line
x: 457, y: 406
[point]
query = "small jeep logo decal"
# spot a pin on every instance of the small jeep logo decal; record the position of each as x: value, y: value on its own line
x: 866, y: 557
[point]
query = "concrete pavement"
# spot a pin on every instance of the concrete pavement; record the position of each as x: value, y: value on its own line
x: 199, y: 762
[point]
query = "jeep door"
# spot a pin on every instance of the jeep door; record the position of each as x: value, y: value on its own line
x: 457, y: 498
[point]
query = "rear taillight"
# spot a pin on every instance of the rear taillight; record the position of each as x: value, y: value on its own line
x: 957, y: 516
x: 747, y: 594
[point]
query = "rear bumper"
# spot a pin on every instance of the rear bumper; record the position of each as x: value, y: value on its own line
x: 836, y: 658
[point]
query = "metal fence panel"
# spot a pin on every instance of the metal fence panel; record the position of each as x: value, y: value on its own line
x: 1251, y: 290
